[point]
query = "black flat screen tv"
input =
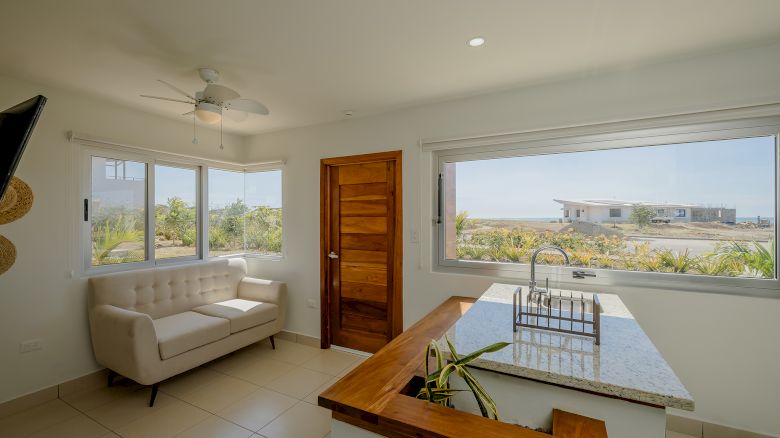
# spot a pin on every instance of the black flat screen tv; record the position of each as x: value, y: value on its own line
x: 16, y: 127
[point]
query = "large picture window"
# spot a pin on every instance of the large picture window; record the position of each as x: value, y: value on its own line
x: 500, y: 206
x: 138, y: 211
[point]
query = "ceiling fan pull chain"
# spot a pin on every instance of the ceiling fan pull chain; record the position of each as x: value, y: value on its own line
x: 194, y: 130
x: 221, y: 147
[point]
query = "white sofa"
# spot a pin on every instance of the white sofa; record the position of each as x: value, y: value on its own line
x: 151, y: 324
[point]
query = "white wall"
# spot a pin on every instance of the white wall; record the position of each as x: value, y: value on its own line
x: 37, y: 299
x: 724, y: 348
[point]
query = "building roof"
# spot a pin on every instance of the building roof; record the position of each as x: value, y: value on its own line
x: 621, y: 203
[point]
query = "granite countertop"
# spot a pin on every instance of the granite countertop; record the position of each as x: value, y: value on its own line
x: 626, y: 364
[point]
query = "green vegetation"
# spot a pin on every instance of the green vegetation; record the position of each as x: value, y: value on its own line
x: 113, y: 227
x: 641, y: 216
x: 236, y: 227
x: 117, y: 233
x: 437, y: 386
x: 516, y: 244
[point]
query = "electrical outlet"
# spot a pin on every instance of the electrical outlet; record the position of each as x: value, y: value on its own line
x: 311, y: 302
x: 414, y: 236
x: 30, y: 345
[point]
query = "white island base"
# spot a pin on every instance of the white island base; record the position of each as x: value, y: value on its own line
x: 530, y: 403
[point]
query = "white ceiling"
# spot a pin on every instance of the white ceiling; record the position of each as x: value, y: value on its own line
x: 309, y: 60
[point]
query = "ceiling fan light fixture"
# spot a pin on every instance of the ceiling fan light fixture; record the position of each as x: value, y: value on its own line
x: 208, y: 113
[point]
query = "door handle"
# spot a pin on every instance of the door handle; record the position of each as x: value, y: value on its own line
x: 333, y: 255
x: 582, y: 274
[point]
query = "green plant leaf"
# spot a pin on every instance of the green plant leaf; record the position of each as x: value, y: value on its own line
x: 489, y: 349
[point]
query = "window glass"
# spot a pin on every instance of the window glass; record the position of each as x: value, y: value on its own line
x: 704, y: 208
x: 263, y: 191
x: 175, y: 212
x: 118, y: 206
x: 227, y: 210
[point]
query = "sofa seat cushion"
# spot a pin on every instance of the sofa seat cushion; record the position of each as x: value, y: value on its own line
x: 186, y: 331
x: 242, y: 314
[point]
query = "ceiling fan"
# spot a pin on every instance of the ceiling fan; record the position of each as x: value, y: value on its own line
x: 214, y: 101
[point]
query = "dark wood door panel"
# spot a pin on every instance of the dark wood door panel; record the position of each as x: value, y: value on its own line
x: 365, y: 242
x: 364, y: 208
x: 364, y: 291
x: 360, y: 322
x: 368, y: 309
x: 363, y: 225
x: 363, y: 173
x: 356, y: 255
x: 363, y: 192
x: 372, y: 273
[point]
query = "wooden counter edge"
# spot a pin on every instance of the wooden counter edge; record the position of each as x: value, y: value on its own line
x: 370, y: 396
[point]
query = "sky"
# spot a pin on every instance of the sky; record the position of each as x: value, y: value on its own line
x: 727, y: 173
x: 255, y: 188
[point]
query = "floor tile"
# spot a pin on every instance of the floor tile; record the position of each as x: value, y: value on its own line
x: 260, y: 371
x: 85, y: 401
x: 671, y: 434
x: 298, y: 382
x: 80, y: 426
x: 289, y: 352
x: 331, y: 362
x: 36, y: 419
x: 175, y: 418
x: 258, y: 409
x: 188, y: 381
x: 351, y: 367
x: 215, y: 427
x: 127, y: 409
x: 312, y: 397
x: 304, y: 420
x: 230, y: 362
x: 218, y: 393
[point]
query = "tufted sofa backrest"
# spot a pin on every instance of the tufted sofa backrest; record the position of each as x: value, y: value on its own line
x: 160, y: 292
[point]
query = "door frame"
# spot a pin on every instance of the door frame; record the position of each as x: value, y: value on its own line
x: 395, y: 308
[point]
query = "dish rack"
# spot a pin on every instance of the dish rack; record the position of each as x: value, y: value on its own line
x: 558, y: 313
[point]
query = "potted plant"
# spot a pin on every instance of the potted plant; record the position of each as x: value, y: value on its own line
x: 437, y: 387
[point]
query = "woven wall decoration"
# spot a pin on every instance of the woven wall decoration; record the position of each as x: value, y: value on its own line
x: 7, y: 254
x: 16, y: 202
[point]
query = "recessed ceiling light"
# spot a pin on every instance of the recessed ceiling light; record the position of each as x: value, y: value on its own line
x: 476, y: 41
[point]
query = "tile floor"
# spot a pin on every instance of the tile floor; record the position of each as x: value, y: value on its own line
x: 254, y: 392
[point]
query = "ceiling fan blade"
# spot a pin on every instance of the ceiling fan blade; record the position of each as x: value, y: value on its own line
x: 248, y: 105
x: 176, y: 89
x: 218, y: 94
x: 188, y: 102
x: 236, y: 115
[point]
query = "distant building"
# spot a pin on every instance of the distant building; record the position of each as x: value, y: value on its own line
x: 602, y: 210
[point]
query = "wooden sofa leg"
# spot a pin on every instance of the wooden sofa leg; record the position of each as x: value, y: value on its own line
x: 154, y: 394
x: 273, y: 345
x: 111, y: 376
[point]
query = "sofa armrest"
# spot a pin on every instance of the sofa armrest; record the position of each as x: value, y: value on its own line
x: 125, y: 341
x: 266, y: 291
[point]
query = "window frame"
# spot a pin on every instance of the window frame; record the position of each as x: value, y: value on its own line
x: 198, y: 213
x: 612, y: 138
x: 87, y: 148
x: 618, y: 215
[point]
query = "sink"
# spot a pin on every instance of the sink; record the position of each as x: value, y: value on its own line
x: 554, y: 303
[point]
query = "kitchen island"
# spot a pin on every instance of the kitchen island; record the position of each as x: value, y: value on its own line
x: 624, y: 381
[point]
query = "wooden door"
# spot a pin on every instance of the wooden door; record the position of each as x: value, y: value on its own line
x: 361, y: 240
